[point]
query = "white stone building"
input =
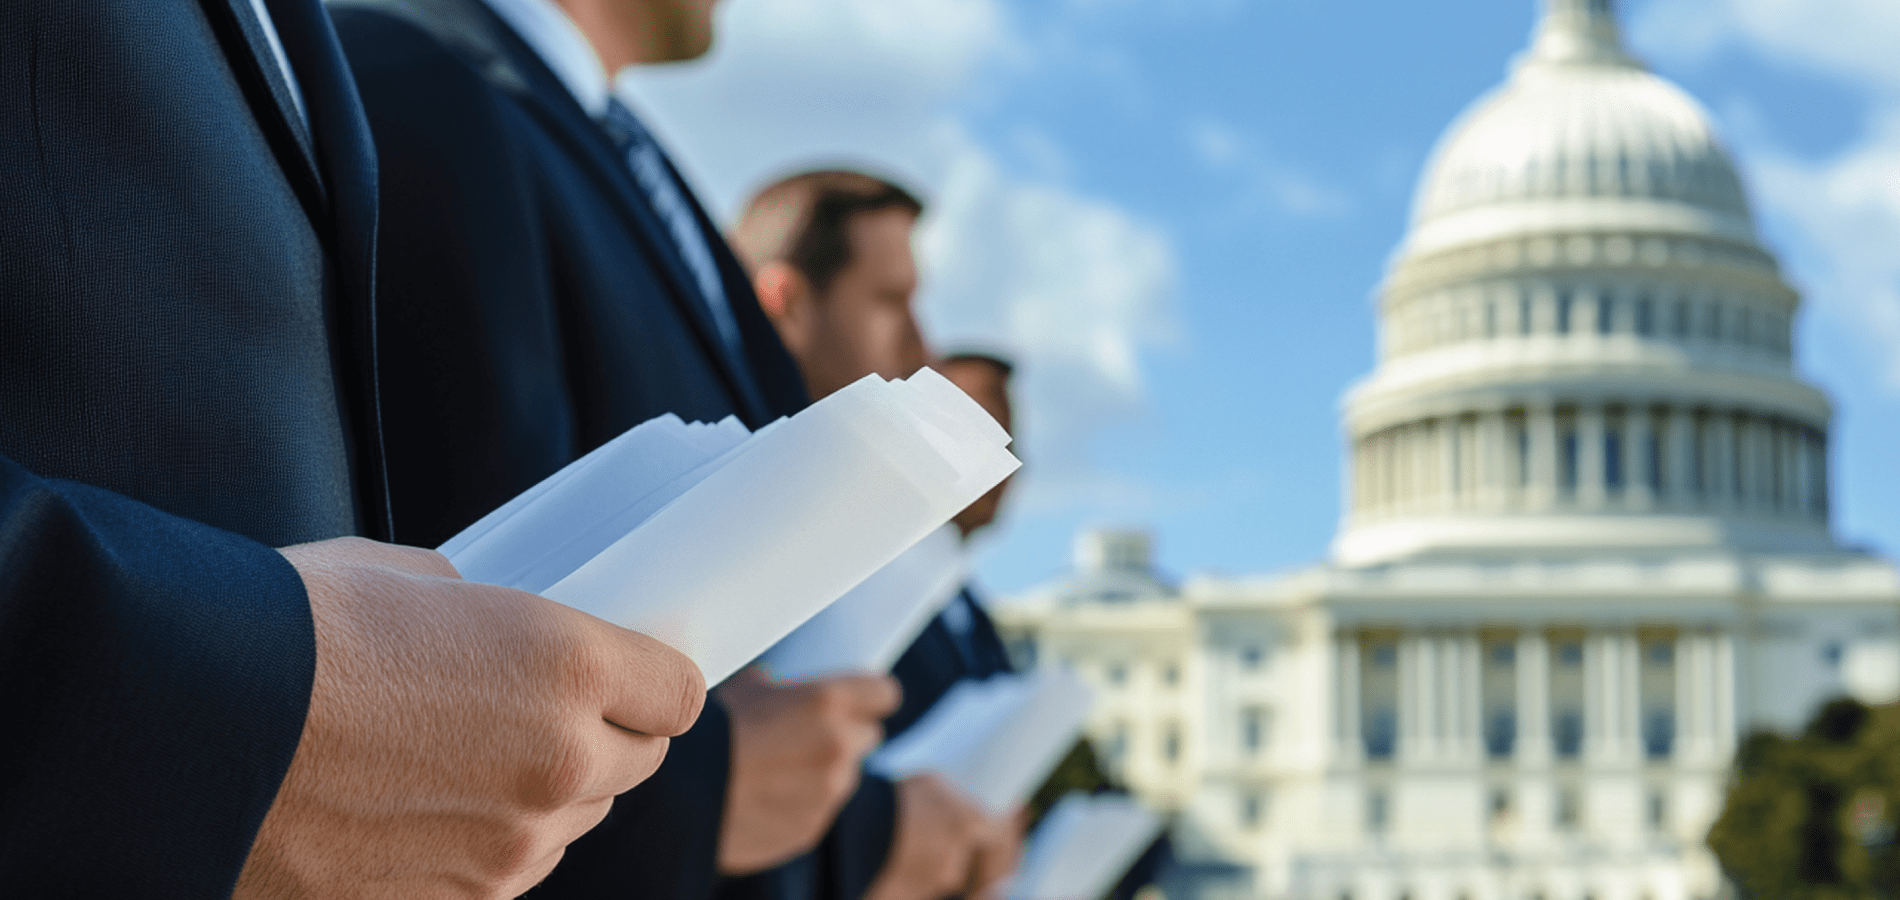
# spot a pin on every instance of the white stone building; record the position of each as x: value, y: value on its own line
x: 1585, y: 548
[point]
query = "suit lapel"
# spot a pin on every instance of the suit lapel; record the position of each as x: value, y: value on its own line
x: 584, y: 138
x: 344, y: 158
x: 256, y: 66
x: 516, y: 69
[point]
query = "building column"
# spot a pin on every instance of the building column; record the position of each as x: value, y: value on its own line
x: 1541, y: 490
x: 1468, y: 733
x: 1590, y: 480
x: 1678, y: 491
x: 1725, y: 699
x: 1411, y: 698
x: 1533, y: 699
x: 1638, y: 432
x: 1451, y: 458
x: 1492, y: 468
x: 1628, y: 657
x: 1346, y: 708
x: 1719, y: 468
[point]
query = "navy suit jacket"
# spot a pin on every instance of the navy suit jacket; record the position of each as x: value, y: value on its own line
x: 185, y: 381
x: 535, y: 308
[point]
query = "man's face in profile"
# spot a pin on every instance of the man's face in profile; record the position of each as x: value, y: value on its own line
x: 863, y: 322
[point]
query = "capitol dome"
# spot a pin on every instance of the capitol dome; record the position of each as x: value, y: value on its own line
x: 1583, y: 342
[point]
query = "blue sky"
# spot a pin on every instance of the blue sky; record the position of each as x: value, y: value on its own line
x: 1175, y: 212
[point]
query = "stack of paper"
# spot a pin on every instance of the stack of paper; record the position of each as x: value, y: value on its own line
x: 872, y: 624
x: 993, y: 740
x: 1082, y: 848
x: 720, y: 543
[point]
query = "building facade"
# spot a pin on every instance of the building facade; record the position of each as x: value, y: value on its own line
x: 1585, y: 545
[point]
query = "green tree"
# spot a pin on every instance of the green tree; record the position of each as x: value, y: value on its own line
x: 1812, y: 817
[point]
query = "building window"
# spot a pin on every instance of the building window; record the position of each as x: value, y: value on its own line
x: 1564, y: 305
x: 1253, y: 810
x: 1570, y: 653
x: 1831, y: 654
x: 1500, y: 733
x: 1171, y: 744
x: 1661, y: 654
x: 1524, y: 314
x: 1118, y: 674
x: 1658, y: 810
x: 1567, y: 462
x: 1500, y: 806
x: 1523, y: 456
x: 1681, y: 328
x: 1252, y: 657
x: 1376, y: 812
x: 1385, y: 656
x: 1491, y: 319
x: 1569, y: 811
x: 1605, y: 315
x: 1503, y: 655
x: 1659, y: 733
x: 1613, y: 460
x: 1171, y: 675
x: 1652, y: 462
x: 1645, y: 316
x: 1567, y: 733
x: 1253, y: 730
x: 1381, y: 734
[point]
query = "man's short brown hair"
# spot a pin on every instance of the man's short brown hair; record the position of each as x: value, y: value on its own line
x: 801, y: 220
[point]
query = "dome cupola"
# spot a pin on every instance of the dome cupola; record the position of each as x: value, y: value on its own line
x: 1583, y: 343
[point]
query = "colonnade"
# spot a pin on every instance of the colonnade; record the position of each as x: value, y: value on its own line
x: 1508, y: 310
x: 1534, y: 696
x: 1598, y: 457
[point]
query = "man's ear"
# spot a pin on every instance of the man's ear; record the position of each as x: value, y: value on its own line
x: 780, y: 287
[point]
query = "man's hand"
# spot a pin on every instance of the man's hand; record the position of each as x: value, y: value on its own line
x: 796, y: 752
x: 935, y: 851
x: 459, y: 735
x: 999, y: 850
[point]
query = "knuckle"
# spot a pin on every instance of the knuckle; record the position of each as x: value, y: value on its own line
x: 562, y: 777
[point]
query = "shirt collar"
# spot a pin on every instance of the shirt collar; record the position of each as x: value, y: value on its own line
x: 559, y: 42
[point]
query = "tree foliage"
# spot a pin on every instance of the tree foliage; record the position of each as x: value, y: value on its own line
x: 1812, y: 817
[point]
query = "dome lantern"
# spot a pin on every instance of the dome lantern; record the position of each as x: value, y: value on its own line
x: 1578, y: 31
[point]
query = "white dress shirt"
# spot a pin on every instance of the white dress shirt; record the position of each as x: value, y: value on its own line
x: 559, y: 42
x: 283, y: 62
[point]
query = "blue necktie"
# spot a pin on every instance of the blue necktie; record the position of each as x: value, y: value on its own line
x: 649, y: 167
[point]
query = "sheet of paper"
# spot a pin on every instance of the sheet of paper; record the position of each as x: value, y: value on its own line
x: 994, y: 740
x: 1082, y: 848
x: 872, y: 624
x: 543, y: 535
x: 799, y: 514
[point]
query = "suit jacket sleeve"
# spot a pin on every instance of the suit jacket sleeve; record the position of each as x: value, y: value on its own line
x: 154, y: 675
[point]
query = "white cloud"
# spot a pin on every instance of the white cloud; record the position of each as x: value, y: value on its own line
x: 1264, y: 183
x: 1844, y: 209
x: 1076, y: 286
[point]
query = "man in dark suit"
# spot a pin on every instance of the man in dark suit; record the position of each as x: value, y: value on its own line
x: 550, y: 283
x: 187, y: 214
x: 830, y: 257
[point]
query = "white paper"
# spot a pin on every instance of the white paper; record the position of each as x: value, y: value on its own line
x: 1082, y: 848
x: 869, y: 627
x: 720, y: 543
x: 994, y: 740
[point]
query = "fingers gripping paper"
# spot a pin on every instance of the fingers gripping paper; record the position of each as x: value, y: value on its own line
x: 1082, y: 848
x: 720, y: 543
x: 993, y: 740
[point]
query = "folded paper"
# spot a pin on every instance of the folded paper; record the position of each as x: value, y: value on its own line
x: 1082, y: 848
x: 719, y: 542
x: 872, y: 624
x: 996, y: 739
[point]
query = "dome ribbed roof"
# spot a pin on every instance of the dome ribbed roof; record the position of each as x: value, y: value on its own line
x: 1580, y: 120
